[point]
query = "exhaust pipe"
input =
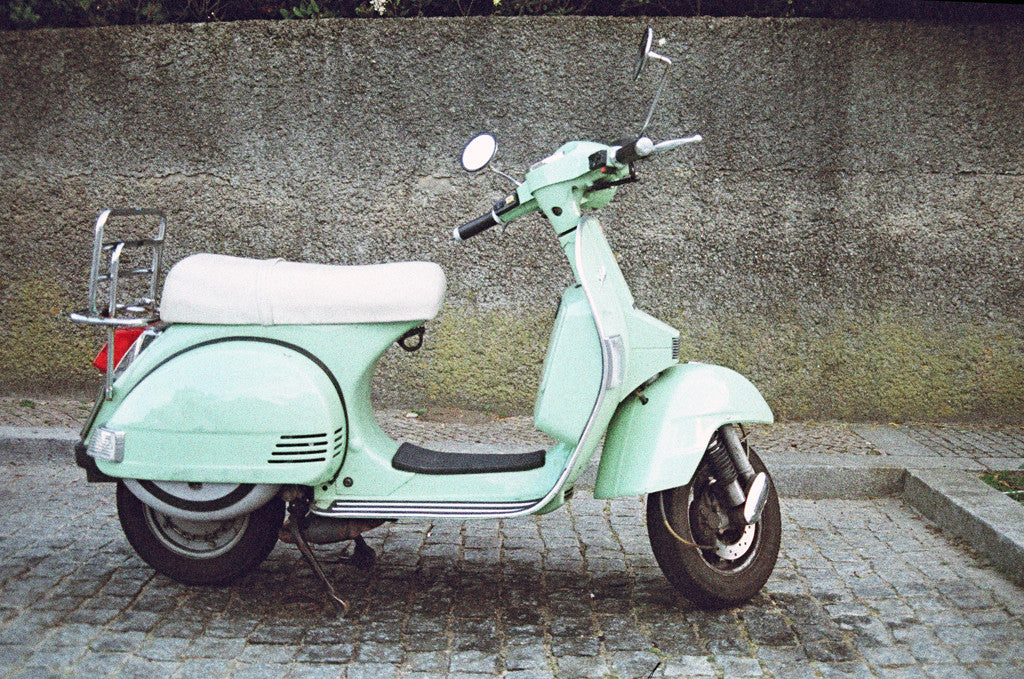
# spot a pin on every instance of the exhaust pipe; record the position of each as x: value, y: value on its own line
x: 323, y: 530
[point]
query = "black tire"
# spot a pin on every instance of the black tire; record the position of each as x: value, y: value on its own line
x: 702, y: 575
x: 218, y: 553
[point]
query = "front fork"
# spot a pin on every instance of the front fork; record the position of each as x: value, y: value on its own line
x: 740, y: 489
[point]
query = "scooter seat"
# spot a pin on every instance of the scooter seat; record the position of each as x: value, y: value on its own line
x: 222, y: 290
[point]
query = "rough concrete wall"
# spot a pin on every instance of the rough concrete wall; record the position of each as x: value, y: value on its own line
x: 848, y: 235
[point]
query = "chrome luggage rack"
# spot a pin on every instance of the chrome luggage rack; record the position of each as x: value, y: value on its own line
x: 104, y: 308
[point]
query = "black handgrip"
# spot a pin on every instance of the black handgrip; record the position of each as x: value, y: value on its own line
x: 632, y: 151
x: 478, y: 225
x: 627, y: 154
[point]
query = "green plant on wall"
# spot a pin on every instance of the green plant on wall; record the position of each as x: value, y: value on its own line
x: 71, y: 13
x: 63, y: 13
x: 306, y: 9
x: 22, y: 13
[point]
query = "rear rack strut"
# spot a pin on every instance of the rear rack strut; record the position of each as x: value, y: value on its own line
x: 104, y: 309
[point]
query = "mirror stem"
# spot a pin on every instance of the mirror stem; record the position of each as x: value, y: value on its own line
x: 505, y: 175
x: 661, y: 86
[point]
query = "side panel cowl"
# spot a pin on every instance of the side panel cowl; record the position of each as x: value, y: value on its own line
x: 232, y: 410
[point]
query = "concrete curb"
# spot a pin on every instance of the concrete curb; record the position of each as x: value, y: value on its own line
x: 964, y: 505
x: 955, y: 499
x: 846, y: 477
x: 28, y: 443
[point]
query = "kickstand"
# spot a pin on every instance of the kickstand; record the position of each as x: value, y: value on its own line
x: 307, y: 553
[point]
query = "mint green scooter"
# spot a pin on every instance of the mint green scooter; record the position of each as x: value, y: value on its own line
x: 248, y: 396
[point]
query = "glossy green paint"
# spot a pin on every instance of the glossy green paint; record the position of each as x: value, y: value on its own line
x: 572, y: 370
x: 657, y: 445
x: 634, y: 346
x: 202, y: 402
x: 211, y: 403
x: 220, y: 410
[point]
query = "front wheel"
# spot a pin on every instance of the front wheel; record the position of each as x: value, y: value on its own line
x: 708, y: 560
x: 199, y: 552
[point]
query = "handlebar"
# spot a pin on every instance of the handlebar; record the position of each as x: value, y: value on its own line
x: 609, y: 161
x: 477, y: 226
x: 632, y: 151
x: 670, y: 144
x: 481, y: 224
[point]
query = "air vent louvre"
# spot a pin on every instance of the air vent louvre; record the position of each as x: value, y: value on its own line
x: 675, y: 349
x: 300, y: 448
x: 339, y: 441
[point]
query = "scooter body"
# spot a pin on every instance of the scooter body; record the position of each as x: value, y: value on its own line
x: 234, y: 403
x: 221, y: 407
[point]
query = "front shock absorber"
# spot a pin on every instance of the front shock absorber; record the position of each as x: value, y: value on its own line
x: 730, y: 492
x: 741, y: 490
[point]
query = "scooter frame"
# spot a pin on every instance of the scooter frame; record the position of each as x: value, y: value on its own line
x: 650, y: 406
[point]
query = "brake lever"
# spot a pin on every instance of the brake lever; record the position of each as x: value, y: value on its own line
x: 602, y: 184
x: 670, y: 144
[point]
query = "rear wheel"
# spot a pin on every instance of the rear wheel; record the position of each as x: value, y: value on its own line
x: 199, y: 552
x: 710, y: 561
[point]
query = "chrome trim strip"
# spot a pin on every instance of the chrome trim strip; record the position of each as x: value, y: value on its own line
x: 617, y: 367
x: 392, y: 509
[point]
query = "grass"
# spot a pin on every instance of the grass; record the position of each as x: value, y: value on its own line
x: 1010, y: 483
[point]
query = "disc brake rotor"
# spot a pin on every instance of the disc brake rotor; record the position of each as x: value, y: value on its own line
x: 712, y: 524
x: 733, y: 551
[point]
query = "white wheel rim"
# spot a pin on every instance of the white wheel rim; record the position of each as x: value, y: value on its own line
x: 196, y: 539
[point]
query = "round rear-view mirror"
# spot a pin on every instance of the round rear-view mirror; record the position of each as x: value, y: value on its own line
x: 646, y: 43
x: 478, y: 152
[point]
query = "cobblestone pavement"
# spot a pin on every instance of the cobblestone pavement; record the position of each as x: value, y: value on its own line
x: 862, y: 589
x: 24, y: 411
x: 975, y: 441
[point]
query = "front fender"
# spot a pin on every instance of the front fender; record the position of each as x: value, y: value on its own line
x: 657, y: 445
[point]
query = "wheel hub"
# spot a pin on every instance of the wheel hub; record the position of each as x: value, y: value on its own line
x: 730, y: 551
x: 711, y: 526
x: 196, y: 539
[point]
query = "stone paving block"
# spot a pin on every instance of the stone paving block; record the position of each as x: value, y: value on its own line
x: 690, y: 666
x: 532, y: 656
x: 906, y: 672
x: 137, y: 668
x: 582, y: 667
x: 322, y: 671
x: 479, y: 662
x: 739, y: 667
x: 267, y: 654
x: 338, y: 653
x: 530, y: 674
x: 259, y: 671
x: 857, y: 670
x: 163, y: 648
x: 373, y: 651
x: 894, y: 440
x: 862, y: 587
x: 997, y: 671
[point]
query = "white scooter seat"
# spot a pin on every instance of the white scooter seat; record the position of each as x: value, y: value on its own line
x: 222, y: 290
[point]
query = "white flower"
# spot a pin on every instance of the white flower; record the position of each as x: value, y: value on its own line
x: 379, y: 6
